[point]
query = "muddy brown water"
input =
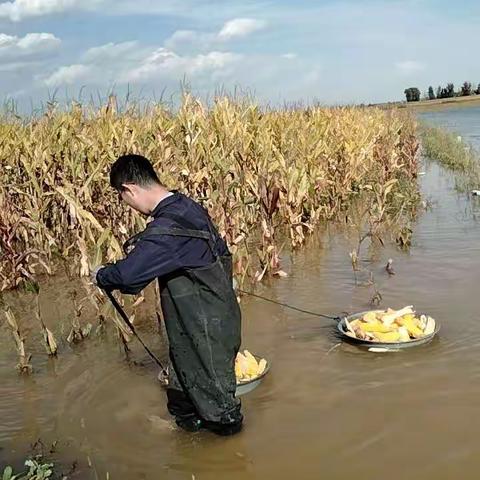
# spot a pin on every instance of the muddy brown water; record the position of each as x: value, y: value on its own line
x: 326, y: 410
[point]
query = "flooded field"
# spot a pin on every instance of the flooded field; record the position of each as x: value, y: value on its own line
x: 325, y: 410
x: 464, y: 121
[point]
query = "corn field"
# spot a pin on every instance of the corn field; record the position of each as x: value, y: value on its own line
x: 264, y: 175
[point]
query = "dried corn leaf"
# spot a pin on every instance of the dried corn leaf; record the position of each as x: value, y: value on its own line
x: 50, y: 343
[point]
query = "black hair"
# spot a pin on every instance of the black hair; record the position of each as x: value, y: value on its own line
x: 132, y: 169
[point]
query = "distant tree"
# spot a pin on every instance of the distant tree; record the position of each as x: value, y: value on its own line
x: 412, y: 94
x: 431, y: 93
x: 416, y: 94
x: 477, y: 91
x: 466, y: 89
x: 447, y: 92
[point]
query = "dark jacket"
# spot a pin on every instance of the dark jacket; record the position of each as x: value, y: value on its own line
x: 161, y: 255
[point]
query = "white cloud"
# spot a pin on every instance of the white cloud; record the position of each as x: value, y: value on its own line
x: 18, y: 10
x: 182, y: 37
x: 69, y: 75
x: 240, y: 27
x: 198, y: 40
x: 165, y: 62
x: 101, y: 64
x: 290, y: 56
x: 113, y: 52
x: 130, y: 62
x: 409, y: 67
x: 32, y: 44
x: 17, y: 67
x: 191, y: 41
x: 22, y: 57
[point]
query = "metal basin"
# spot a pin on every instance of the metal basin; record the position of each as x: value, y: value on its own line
x: 249, y: 385
x: 242, y: 387
x: 342, y: 330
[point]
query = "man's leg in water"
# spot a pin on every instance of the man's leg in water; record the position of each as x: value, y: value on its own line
x: 180, y: 406
x: 186, y: 416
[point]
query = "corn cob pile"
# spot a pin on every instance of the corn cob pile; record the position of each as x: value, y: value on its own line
x: 391, y: 326
x: 247, y: 368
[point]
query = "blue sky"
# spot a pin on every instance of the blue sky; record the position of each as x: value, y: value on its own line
x: 334, y: 52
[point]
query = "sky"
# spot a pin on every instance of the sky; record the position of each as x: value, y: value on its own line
x: 333, y: 52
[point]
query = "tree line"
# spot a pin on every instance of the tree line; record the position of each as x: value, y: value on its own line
x: 413, y: 94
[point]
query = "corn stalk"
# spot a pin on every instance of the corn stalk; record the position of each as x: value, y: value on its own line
x: 262, y: 174
x: 23, y: 365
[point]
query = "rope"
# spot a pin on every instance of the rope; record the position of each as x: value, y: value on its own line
x: 125, y: 318
x: 286, y: 305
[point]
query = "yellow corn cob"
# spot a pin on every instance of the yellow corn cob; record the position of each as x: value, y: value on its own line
x: 409, y: 316
x: 410, y: 325
x: 374, y: 327
x: 262, y: 365
x: 252, y: 364
x: 248, y: 354
x: 430, y: 326
x: 370, y: 317
x: 238, y: 370
x: 387, y: 337
x: 350, y: 329
x: 404, y: 335
x: 389, y: 318
x: 241, y: 366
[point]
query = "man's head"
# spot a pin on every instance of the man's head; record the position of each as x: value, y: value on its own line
x: 135, y: 179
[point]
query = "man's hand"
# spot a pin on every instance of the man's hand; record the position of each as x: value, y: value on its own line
x: 93, y: 274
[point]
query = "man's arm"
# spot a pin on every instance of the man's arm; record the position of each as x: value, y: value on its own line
x: 147, y: 261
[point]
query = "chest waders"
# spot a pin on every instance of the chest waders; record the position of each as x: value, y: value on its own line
x: 203, y: 324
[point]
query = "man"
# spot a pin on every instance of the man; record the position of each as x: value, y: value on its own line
x: 183, y: 250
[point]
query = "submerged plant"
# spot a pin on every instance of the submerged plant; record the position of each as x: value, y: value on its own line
x: 124, y: 333
x: 48, y: 337
x: 78, y: 332
x: 23, y: 365
x: 382, y: 214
